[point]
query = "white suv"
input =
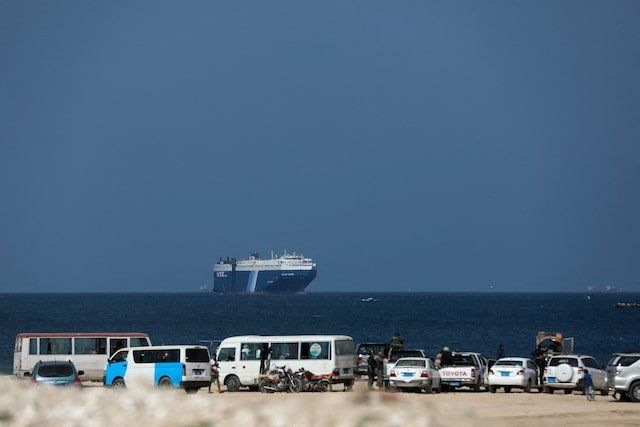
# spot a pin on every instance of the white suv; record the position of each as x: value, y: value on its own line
x: 567, y: 372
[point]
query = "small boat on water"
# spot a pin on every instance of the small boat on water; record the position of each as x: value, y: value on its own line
x: 368, y: 299
x: 626, y: 304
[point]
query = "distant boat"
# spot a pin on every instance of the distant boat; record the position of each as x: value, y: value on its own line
x: 368, y: 299
x: 625, y: 304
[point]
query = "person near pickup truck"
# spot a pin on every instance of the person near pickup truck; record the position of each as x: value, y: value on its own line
x: 538, y: 359
x: 379, y: 369
x: 446, y: 358
x: 588, y: 385
x: 371, y: 369
x: 500, y: 353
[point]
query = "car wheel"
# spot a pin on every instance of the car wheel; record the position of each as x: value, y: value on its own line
x: 527, y: 388
x: 507, y: 389
x: 118, y: 384
x: 604, y: 392
x: 624, y: 397
x: 165, y: 383
x: 634, y: 392
x: 568, y: 391
x: 493, y: 388
x: 233, y: 383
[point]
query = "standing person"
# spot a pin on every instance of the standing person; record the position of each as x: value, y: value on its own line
x: 538, y: 359
x: 447, y: 357
x: 215, y: 376
x: 500, y: 354
x: 397, y: 343
x: 588, y: 385
x: 371, y: 369
x: 265, y: 350
x: 380, y: 369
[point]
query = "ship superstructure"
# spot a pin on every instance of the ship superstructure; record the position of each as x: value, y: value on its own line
x: 287, y: 273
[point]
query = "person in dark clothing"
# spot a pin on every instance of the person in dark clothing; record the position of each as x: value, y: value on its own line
x: 265, y: 350
x: 447, y: 357
x: 371, y: 369
x: 538, y: 359
x: 500, y: 354
x: 588, y: 385
x: 397, y: 343
x: 380, y: 369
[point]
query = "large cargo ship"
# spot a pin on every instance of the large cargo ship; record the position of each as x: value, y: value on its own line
x: 287, y: 273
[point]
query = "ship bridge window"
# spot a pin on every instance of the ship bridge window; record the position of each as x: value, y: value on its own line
x: 284, y: 350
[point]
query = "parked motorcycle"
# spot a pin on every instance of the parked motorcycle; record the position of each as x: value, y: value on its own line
x: 280, y: 379
x: 312, y: 382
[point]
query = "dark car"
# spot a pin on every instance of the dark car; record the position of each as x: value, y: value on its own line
x: 60, y: 373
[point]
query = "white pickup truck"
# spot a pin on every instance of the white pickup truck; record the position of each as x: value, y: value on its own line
x: 467, y: 370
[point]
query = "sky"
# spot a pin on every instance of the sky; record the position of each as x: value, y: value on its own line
x: 403, y: 145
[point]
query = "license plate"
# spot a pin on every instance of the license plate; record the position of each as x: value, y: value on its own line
x: 504, y: 374
x: 454, y: 384
x: 551, y: 379
x: 198, y: 371
x: 407, y: 374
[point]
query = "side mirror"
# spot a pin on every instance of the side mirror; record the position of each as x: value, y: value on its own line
x: 80, y: 373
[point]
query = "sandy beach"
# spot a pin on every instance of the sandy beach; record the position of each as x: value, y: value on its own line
x: 22, y: 404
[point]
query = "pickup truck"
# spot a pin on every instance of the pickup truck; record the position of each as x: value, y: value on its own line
x: 467, y: 370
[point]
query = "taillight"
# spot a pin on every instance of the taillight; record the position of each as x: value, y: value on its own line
x: 336, y: 372
x: 392, y: 373
x: 473, y: 371
x: 491, y: 372
x: 520, y: 372
x: 424, y: 374
x: 184, y: 370
x: 580, y: 370
x: 78, y: 380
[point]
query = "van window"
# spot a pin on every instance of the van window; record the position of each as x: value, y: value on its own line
x: 284, y: 350
x: 116, y: 344
x: 90, y: 346
x: 196, y: 355
x: 121, y: 356
x: 315, y: 350
x: 55, y: 345
x: 345, y: 348
x: 250, y: 351
x: 33, y: 345
x: 157, y: 356
x: 138, y: 342
x: 227, y: 354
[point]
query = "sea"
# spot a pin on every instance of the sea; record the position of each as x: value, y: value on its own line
x: 463, y: 321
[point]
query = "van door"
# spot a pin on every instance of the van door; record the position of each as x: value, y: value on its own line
x: 227, y: 361
x: 249, y: 365
x: 141, y: 368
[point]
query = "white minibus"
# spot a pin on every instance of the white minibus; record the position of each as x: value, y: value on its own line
x: 332, y: 356
x: 88, y: 351
x: 171, y: 366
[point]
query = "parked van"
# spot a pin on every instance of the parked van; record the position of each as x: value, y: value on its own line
x: 88, y: 351
x: 331, y: 356
x: 185, y: 366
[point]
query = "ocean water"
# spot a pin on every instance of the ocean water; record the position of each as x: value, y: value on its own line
x: 464, y: 321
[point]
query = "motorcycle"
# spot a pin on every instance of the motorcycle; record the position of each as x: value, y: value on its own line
x: 312, y: 382
x: 280, y: 379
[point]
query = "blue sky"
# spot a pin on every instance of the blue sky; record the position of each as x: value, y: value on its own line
x: 430, y: 145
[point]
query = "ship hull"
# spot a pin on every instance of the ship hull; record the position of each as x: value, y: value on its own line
x: 262, y: 281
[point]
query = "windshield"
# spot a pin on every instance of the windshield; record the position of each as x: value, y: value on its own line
x: 555, y: 361
x: 410, y: 363
x: 395, y: 355
x: 55, y: 371
x: 345, y: 348
x: 508, y: 363
x: 463, y: 360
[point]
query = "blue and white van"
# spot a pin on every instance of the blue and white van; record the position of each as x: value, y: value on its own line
x: 178, y: 366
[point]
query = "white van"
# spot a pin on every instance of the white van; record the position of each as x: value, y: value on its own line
x: 331, y: 356
x: 185, y: 366
x: 88, y: 351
